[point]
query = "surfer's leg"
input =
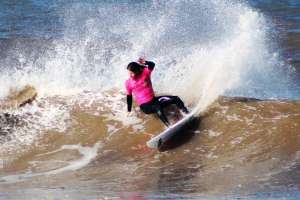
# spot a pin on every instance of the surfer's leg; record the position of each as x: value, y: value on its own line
x: 160, y: 111
x: 167, y: 100
x: 154, y: 107
x: 162, y: 116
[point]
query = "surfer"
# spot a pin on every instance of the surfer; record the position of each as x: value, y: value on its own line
x: 140, y: 86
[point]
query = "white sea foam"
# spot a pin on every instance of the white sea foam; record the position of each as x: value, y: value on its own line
x: 87, y: 155
x: 35, y: 120
x: 216, y: 46
x: 234, y: 117
x: 212, y: 133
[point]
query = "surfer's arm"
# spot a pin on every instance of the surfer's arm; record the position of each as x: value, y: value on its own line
x: 129, y: 102
x: 150, y: 65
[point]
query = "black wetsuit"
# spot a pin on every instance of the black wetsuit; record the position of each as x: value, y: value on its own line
x: 157, y: 104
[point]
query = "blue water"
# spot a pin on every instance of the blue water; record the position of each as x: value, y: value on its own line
x: 33, y: 19
x: 285, y: 14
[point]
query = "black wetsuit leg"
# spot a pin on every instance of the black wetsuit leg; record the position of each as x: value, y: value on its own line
x: 154, y: 107
x: 167, y: 100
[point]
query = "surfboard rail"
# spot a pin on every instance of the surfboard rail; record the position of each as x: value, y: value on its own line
x: 160, y: 139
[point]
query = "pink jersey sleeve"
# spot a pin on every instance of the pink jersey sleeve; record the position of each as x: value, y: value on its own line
x: 147, y: 71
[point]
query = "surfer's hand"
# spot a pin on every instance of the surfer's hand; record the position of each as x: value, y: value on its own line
x: 142, y: 60
x: 129, y: 114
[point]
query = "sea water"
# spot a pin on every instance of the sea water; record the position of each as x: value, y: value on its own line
x: 76, y: 140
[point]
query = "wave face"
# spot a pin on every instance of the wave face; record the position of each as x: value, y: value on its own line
x: 77, y: 132
x: 238, y: 147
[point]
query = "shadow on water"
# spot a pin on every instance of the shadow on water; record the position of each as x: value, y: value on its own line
x: 184, y: 134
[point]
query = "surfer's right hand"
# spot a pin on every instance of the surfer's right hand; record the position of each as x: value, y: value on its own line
x: 142, y: 60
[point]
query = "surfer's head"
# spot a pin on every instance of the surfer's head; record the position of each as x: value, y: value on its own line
x: 134, y: 69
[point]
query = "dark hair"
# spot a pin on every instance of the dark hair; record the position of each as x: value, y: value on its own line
x: 135, y: 67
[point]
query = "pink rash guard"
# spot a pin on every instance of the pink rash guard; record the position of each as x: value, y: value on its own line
x: 141, y: 87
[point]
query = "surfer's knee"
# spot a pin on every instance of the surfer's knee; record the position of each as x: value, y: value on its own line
x: 177, y: 98
x: 181, y: 105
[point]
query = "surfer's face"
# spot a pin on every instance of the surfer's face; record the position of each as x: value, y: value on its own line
x: 131, y: 74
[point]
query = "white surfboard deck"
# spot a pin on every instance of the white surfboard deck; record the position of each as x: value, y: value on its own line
x: 160, y: 139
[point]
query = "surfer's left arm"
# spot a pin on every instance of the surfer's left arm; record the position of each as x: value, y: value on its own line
x: 129, y: 95
x: 129, y: 102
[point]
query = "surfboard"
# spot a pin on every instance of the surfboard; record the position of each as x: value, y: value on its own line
x: 160, y: 139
